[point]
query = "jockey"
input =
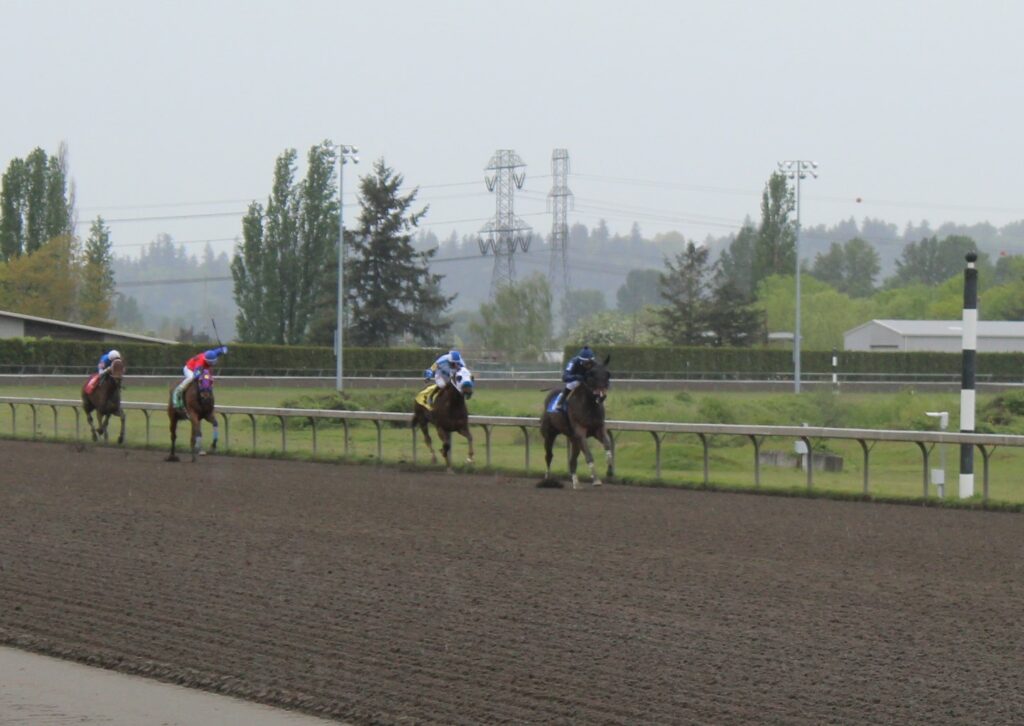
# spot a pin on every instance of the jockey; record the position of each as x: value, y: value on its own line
x: 441, y: 372
x: 107, y: 360
x: 575, y: 372
x: 206, y: 359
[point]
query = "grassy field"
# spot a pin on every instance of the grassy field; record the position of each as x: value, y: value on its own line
x: 896, y: 468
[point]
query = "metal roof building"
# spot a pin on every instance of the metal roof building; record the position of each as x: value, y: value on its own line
x: 944, y: 336
x: 16, y: 325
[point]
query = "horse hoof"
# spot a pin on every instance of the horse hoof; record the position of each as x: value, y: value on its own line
x: 202, y: 453
x: 172, y: 457
x: 576, y: 483
x: 598, y: 482
x: 469, y: 460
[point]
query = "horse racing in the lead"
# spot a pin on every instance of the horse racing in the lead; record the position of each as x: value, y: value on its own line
x: 577, y: 412
x: 192, y: 400
x: 443, y: 404
x: 102, y: 394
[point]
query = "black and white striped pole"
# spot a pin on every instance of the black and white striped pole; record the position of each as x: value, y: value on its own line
x: 970, y: 346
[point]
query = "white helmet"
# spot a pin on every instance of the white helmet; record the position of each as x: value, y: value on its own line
x: 114, y: 355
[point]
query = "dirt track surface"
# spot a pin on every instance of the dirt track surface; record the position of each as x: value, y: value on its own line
x: 381, y: 596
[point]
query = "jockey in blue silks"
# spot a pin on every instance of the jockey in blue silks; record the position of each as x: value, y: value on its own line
x: 574, y: 373
x: 441, y: 372
x: 107, y: 360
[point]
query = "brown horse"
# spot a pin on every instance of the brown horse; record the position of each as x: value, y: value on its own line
x: 583, y: 417
x: 105, y: 400
x: 448, y: 414
x: 198, y: 400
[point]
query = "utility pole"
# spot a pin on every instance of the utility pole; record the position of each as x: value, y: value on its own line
x: 797, y: 169
x: 345, y: 154
x: 503, y: 234
x: 560, y: 200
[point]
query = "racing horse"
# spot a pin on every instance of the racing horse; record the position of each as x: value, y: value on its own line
x: 198, y: 399
x: 448, y: 414
x: 105, y: 399
x: 582, y: 417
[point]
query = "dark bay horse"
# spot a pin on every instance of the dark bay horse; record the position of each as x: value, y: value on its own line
x: 449, y: 415
x: 583, y: 417
x: 198, y: 400
x: 105, y: 400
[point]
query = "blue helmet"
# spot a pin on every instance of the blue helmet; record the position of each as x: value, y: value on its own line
x: 455, y: 357
x: 586, y: 353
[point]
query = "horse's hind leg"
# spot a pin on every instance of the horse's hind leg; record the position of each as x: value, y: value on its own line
x: 92, y: 427
x: 594, y: 478
x: 120, y: 435
x: 549, y: 445
x: 197, y: 437
x: 105, y: 427
x: 425, y: 428
x: 174, y: 436
x: 574, y: 455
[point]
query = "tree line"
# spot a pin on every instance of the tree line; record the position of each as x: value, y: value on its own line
x: 45, y: 269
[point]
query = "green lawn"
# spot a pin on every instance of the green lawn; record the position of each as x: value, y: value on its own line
x: 896, y: 469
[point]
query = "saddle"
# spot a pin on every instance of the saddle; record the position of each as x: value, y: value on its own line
x: 559, y: 403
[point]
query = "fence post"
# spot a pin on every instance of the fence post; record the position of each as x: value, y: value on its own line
x: 924, y: 452
x: 33, y: 407
x: 77, y: 418
x: 526, y: 439
x: 657, y: 454
x: 344, y: 423
x: 252, y: 419
x: 14, y: 420
x: 227, y: 430
x: 145, y: 413
x: 312, y: 422
x: 284, y: 438
x: 55, y: 432
x: 380, y: 442
x: 757, y: 458
x: 704, y: 443
x: 810, y: 462
x: 867, y: 449
x: 487, y: 441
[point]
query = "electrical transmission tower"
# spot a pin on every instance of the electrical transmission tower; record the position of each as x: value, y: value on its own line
x: 503, y: 234
x: 560, y: 200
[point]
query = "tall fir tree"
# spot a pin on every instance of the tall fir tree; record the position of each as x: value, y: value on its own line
x: 35, y: 205
x: 390, y: 290
x: 96, y: 296
x: 684, y: 319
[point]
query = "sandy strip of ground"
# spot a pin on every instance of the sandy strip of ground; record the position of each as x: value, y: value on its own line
x: 37, y: 689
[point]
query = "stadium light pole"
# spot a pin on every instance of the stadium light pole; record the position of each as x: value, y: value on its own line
x: 796, y: 170
x: 346, y: 154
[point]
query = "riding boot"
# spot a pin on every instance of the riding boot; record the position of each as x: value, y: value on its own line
x: 177, y: 399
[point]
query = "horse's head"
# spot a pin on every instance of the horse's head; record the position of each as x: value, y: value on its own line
x: 463, y: 381
x: 205, y: 382
x: 117, y: 369
x: 598, y: 379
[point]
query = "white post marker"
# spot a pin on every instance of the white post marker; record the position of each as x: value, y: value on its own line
x: 967, y: 398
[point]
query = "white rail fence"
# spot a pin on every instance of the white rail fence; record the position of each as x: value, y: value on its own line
x: 867, y: 438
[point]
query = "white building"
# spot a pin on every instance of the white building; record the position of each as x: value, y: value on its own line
x: 943, y: 336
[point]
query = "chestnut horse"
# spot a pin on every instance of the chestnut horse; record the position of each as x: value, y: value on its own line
x: 198, y: 400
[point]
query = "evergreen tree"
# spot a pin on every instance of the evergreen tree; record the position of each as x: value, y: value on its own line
x: 775, y: 249
x: 389, y: 288
x: 95, y: 300
x: 732, y: 316
x: 736, y: 263
x: 684, y: 320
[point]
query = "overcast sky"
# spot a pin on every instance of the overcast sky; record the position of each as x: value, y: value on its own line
x: 674, y: 113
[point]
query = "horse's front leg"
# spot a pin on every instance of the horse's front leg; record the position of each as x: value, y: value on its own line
x: 212, y: 418
x: 446, y: 448
x: 105, y: 427
x: 425, y: 428
x: 549, y: 445
x: 594, y: 478
x: 574, y: 455
x: 609, y: 451
x: 197, y: 437
x: 120, y: 435
x: 469, y: 440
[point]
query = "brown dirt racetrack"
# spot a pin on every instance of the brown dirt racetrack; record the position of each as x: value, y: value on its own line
x: 386, y: 596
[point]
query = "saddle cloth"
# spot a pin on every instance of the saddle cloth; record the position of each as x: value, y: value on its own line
x: 91, y: 385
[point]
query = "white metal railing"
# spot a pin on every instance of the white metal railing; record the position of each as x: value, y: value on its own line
x: 924, y: 440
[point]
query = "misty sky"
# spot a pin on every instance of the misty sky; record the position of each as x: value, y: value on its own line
x: 674, y: 113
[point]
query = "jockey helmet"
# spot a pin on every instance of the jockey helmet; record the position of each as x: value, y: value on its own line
x: 455, y: 357
x: 586, y: 353
x: 114, y: 355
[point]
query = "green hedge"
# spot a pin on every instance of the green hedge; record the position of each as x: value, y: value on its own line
x: 705, y: 360
x: 242, y: 358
